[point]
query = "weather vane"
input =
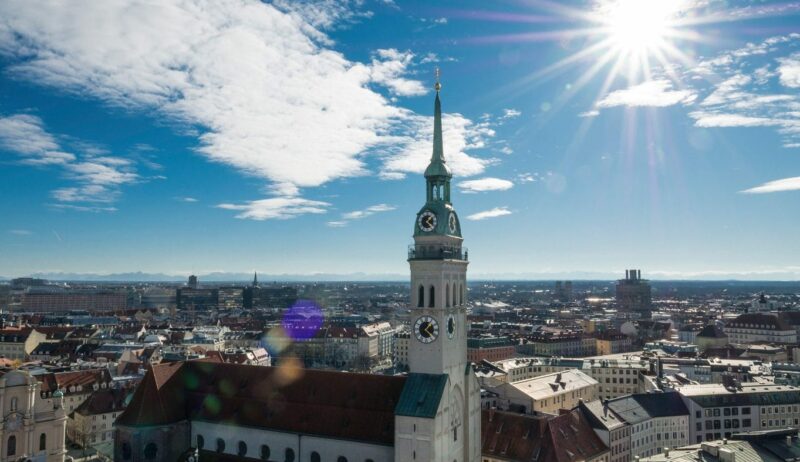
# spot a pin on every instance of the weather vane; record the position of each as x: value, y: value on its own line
x: 437, y: 73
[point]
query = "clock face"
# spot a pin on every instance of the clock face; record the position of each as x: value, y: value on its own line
x: 451, y: 326
x: 452, y: 223
x: 426, y: 329
x: 427, y: 221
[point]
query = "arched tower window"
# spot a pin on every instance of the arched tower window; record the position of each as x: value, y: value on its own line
x: 455, y: 300
x: 265, y: 452
x: 242, y: 449
x: 13, y: 404
x: 315, y: 457
x: 220, y: 445
x: 421, y: 296
x: 289, y: 455
x: 42, y: 442
x: 201, y: 442
x: 447, y: 295
x: 150, y: 451
x: 462, y: 294
x: 431, y: 297
x: 12, y: 446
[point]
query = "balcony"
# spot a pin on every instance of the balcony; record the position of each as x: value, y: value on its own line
x: 437, y: 252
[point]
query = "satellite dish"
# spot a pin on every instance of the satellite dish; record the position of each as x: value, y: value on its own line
x: 628, y: 329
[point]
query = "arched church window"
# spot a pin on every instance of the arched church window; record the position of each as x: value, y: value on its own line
x: 265, y: 452
x: 432, y: 297
x: 341, y: 459
x: 242, y: 449
x: 201, y: 442
x: 421, y: 297
x: 42, y: 442
x: 455, y: 303
x: 150, y: 451
x: 462, y: 294
x: 315, y: 457
x: 289, y: 455
x: 12, y: 446
x: 447, y: 295
x: 220, y: 445
x: 13, y: 404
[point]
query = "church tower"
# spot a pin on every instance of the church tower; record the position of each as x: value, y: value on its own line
x: 438, y: 345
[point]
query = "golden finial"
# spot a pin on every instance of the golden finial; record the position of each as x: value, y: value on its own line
x: 437, y: 85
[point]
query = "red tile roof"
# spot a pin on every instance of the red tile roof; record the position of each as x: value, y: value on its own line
x: 519, y: 437
x: 331, y: 404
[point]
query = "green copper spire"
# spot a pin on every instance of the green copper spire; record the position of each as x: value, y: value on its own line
x: 438, y: 166
x: 437, y: 217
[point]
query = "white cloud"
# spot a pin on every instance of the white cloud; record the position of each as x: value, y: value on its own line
x: 528, y: 177
x: 495, y: 212
x: 212, y: 67
x: 187, y: 199
x: 740, y: 97
x: 789, y: 71
x: 485, y: 184
x: 20, y: 232
x: 786, y: 184
x: 276, y: 208
x: 510, y: 114
x: 592, y: 113
x: 654, y: 93
x: 389, y: 66
x: 98, y: 175
x: 713, y: 119
x: 460, y: 134
x: 429, y: 58
x: 360, y: 214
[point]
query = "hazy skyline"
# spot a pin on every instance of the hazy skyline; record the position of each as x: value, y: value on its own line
x: 585, y: 137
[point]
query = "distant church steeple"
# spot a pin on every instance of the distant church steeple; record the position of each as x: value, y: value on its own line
x: 255, y: 279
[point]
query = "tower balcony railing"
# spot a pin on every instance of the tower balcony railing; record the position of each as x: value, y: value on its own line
x: 437, y: 252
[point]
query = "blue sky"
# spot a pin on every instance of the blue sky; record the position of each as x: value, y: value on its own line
x: 191, y: 137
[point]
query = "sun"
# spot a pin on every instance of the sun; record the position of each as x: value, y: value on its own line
x: 637, y: 26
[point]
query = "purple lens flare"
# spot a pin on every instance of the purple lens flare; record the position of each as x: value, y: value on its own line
x: 302, y: 320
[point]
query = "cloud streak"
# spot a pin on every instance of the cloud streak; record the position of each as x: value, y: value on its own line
x: 485, y: 184
x: 654, y: 93
x: 486, y: 214
x: 786, y: 184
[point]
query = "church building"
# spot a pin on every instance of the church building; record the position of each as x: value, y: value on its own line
x: 204, y: 410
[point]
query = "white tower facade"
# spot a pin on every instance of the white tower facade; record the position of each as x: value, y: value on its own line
x: 437, y: 354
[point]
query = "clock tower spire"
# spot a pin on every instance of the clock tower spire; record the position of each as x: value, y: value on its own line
x: 438, y: 347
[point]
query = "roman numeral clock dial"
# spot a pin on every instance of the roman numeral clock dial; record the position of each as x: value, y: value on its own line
x: 426, y: 329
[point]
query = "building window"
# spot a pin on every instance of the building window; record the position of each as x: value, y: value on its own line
x: 421, y: 297
x: 242, y: 449
x: 432, y: 295
x: 42, y: 442
x: 315, y: 457
x: 126, y: 451
x: 201, y: 442
x: 12, y: 443
x: 220, y: 445
x: 150, y: 451
x: 13, y: 404
x: 264, y: 452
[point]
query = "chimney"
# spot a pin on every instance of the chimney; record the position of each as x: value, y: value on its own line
x: 666, y: 452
